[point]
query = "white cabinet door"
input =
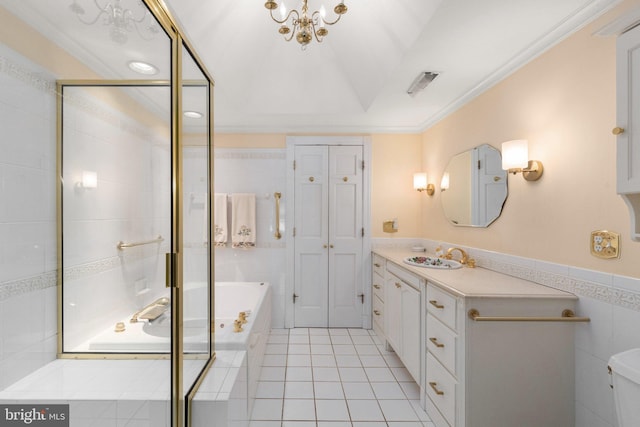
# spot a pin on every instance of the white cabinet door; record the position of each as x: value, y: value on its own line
x: 402, y: 324
x: 392, y: 319
x: 628, y: 118
x: 410, y: 329
x: 328, y: 270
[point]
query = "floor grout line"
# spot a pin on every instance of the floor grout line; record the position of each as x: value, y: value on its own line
x: 367, y: 379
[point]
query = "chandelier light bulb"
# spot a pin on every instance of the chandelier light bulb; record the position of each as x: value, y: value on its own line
x: 283, y: 11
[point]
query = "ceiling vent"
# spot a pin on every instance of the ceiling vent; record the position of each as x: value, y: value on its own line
x: 422, y: 81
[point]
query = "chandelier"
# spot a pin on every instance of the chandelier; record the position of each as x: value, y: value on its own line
x: 122, y: 21
x: 304, y: 26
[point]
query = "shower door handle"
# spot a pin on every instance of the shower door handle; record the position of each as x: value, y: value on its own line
x: 170, y: 263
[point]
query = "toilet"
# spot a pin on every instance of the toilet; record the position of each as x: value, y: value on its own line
x: 625, y: 370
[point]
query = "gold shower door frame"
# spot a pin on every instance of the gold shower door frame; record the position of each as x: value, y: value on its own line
x: 175, y: 257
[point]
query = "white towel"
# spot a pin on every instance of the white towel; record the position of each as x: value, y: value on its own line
x: 243, y: 220
x: 220, y: 231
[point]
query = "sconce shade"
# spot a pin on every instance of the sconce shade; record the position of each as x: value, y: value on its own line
x: 444, y: 184
x: 515, y: 154
x: 420, y: 181
x: 515, y: 159
x: 89, y: 179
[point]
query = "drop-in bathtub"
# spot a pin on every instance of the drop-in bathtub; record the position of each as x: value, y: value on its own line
x: 230, y: 299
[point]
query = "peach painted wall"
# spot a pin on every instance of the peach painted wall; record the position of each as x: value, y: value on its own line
x: 563, y: 102
x: 395, y: 159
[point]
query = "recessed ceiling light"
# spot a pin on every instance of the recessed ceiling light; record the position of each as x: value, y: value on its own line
x: 143, y: 68
x: 193, y: 114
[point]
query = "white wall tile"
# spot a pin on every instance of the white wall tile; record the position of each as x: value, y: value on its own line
x: 598, y: 277
x: 592, y: 385
x: 625, y: 329
x: 594, y: 337
x: 627, y: 283
x: 586, y: 418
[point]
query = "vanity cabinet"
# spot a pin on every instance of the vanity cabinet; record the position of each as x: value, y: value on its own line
x: 403, y: 321
x: 496, y: 373
x: 628, y: 124
x: 377, y: 300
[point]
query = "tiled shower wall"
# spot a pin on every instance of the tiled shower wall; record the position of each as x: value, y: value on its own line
x: 27, y: 217
x: 132, y: 203
x: 263, y: 172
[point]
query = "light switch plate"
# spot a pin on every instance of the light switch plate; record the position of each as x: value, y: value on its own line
x: 605, y: 244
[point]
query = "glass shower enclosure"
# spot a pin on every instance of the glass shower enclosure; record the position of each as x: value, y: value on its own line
x: 134, y: 265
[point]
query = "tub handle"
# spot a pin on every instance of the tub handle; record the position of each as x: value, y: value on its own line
x: 277, y: 196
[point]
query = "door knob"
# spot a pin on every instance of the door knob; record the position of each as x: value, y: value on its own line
x: 324, y: 246
x: 311, y: 179
x: 331, y: 246
x: 345, y: 179
x: 617, y: 130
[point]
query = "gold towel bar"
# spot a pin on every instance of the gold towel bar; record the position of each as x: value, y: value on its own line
x: 122, y: 245
x: 277, y: 234
x: 567, y: 316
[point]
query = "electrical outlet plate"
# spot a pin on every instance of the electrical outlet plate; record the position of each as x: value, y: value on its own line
x: 605, y: 244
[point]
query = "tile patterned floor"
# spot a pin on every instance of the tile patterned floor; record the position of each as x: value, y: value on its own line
x: 334, y: 378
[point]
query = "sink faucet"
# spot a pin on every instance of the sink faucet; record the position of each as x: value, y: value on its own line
x: 463, y: 255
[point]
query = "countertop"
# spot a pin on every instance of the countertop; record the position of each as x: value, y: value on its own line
x: 473, y: 282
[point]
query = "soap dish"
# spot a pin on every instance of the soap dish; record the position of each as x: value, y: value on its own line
x: 418, y: 249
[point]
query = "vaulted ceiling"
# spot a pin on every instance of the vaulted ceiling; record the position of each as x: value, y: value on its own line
x: 356, y: 80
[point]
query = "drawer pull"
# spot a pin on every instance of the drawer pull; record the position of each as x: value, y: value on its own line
x: 436, y: 343
x: 398, y: 285
x: 436, y: 304
x: 376, y: 265
x: 376, y: 312
x: 376, y: 286
x: 433, y: 386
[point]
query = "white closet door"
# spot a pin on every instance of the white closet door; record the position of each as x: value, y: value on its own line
x: 346, y: 297
x: 311, y: 236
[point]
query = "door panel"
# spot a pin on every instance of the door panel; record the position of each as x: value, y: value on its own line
x: 345, y: 236
x: 345, y: 305
x: 311, y: 245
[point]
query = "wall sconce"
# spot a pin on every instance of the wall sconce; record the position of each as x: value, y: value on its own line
x: 515, y: 158
x: 89, y: 180
x: 444, y: 184
x: 420, y: 183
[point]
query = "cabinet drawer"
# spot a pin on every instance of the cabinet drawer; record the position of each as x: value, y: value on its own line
x: 378, y: 311
x: 378, y: 264
x: 378, y: 288
x: 441, y: 389
x: 404, y: 275
x: 442, y: 305
x: 442, y: 343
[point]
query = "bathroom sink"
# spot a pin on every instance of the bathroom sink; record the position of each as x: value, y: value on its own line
x: 428, y: 262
